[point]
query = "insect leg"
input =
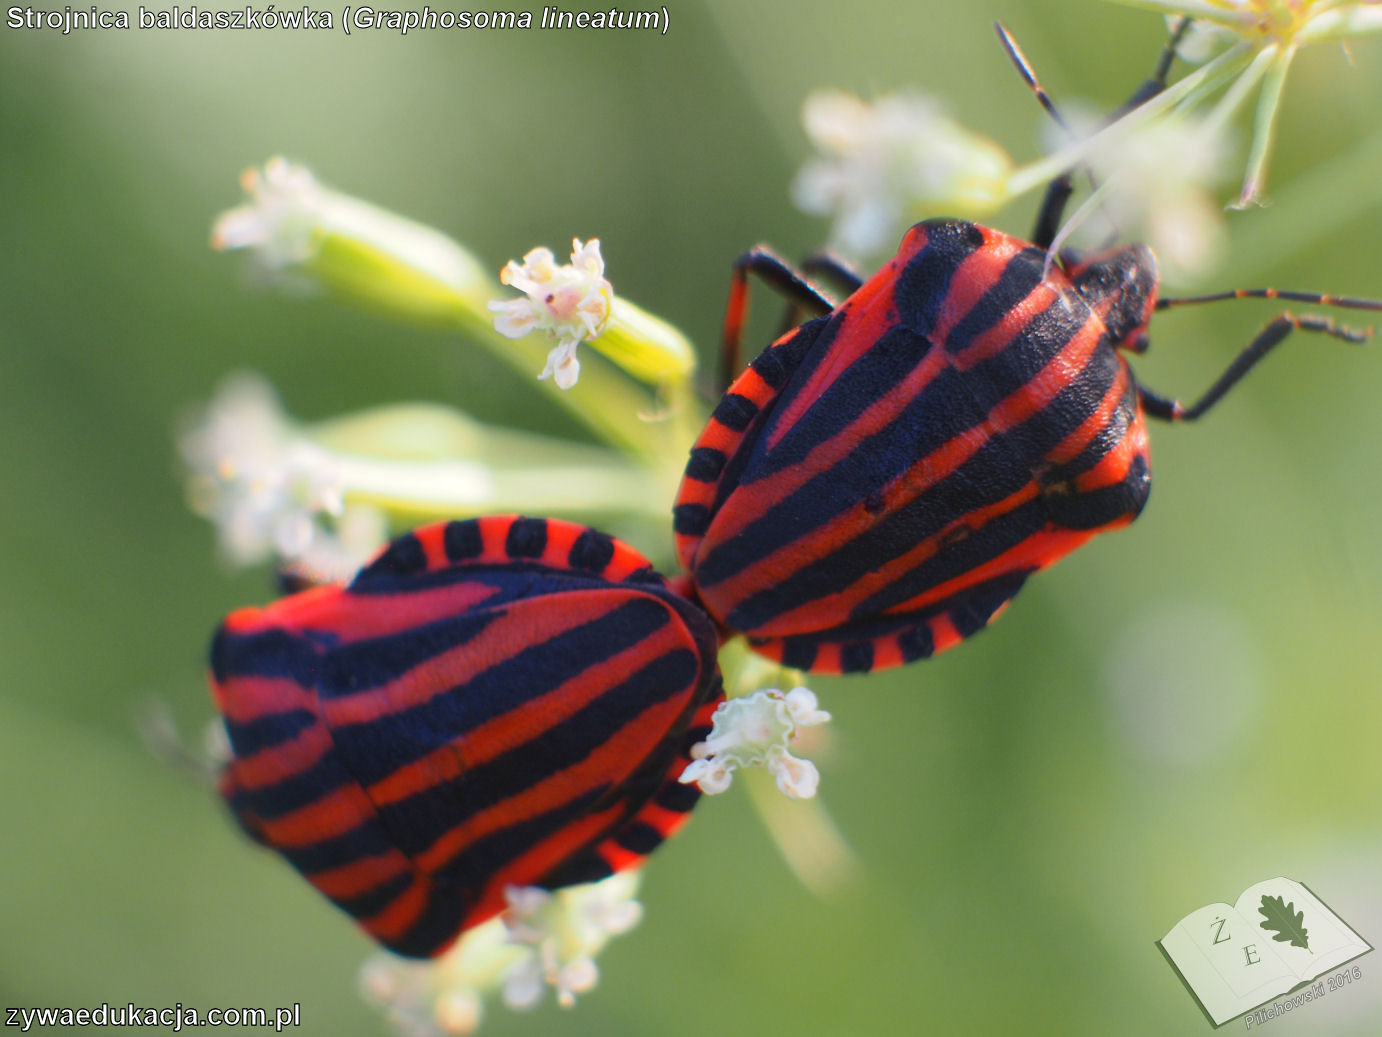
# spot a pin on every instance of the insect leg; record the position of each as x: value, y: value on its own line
x: 1168, y: 409
x: 835, y: 268
x: 778, y: 274
x: 819, y: 266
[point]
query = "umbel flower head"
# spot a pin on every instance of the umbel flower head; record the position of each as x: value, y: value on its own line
x: 1262, y: 38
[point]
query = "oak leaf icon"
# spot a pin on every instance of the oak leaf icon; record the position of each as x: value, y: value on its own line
x: 1285, y: 921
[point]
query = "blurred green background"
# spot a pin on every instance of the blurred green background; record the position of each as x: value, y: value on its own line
x: 1174, y: 713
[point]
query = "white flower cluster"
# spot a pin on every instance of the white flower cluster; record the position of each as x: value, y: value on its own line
x: 269, y: 491
x: 543, y: 939
x: 884, y: 163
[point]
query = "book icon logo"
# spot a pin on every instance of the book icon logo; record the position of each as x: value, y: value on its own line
x: 1275, y: 940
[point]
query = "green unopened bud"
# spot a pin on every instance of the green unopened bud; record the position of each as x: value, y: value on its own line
x: 647, y: 347
x: 353, y: 248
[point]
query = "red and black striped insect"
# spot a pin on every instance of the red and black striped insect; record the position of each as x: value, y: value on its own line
x: 502, y: 701
x: 879, y: 483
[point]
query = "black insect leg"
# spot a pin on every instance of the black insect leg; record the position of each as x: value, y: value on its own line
x: 1167, y: 409
x: 778, y: 274
x: 836, y: 269
x: 817, y: 267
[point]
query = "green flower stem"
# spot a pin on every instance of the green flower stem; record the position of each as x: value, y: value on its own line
x: 370, y: 274
x: 422, y: 461
x: 1239, y: 91
x: 1264, y: 126
x: 806, y: 836
x: 450, y: 289
x: 645, y: 346
x: 427, y: 490
x: 608, y: 403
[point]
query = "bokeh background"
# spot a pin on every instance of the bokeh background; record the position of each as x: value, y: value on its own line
x: 1172, y: 714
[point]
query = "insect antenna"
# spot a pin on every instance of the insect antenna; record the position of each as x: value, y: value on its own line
x: 1058, y: 192
x: 1272, y: 334
x: 1309, y: 298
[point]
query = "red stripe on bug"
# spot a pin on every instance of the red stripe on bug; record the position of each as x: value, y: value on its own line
x: 618, y: 857
x: 989, y: 344
x: 253, y: 620
x: 518, y: 628
x: 864, y: 319
x: 561, y: 537
x: 975, y: 275
x: 283, y: 760
x: 664, y: 820
x: 518, y: 726
x: 943, y: 632
x: 433, y: 542
x: 730, y: 522
x: 1117, y: 462
x: 1059, y: 372
x: 1036, y: 552
x: 614, y: 760
x: 529, y: 868
x: 843, y: 602
x: 1072, y: 445
x: 362, y: 876
x: 339, y: 811
x: 887, y: 652
x: 403, y: 912
x: 494, y: 536
x: 242, y: 700
x: 353, y: 617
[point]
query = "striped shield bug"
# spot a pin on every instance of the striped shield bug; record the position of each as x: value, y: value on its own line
x: 490, y: 703
x: 880, y: 482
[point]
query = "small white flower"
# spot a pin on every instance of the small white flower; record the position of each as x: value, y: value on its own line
x: 886, y: 163
x: 281, y: 221
x: 571, y: 303
x: 754, y: 730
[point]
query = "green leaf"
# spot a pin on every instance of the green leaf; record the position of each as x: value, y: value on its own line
x: 1285, y: 921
